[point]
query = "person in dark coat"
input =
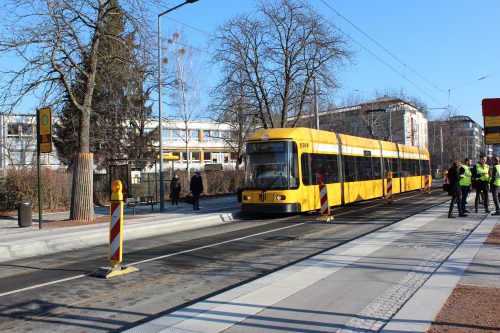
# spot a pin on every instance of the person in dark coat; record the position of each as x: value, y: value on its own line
x: 196, y: 187
x: 456, y: 193
x: 175, y: 190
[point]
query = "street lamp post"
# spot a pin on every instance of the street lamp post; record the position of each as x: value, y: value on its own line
x: 442, y: 148
x: 160, y: 116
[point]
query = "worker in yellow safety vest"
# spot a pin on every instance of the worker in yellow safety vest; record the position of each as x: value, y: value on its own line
x: 465, y: 182
x: 495, y: 184
x: 481, y: 174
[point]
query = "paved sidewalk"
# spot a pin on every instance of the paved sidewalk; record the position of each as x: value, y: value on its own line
x: 16, y: 242
x: 394, y: 280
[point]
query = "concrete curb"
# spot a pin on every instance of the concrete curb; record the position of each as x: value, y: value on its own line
x: 74, y: 238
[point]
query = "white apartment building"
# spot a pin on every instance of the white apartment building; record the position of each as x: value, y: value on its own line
x: 207, y: 143
x: 204, y: 143
x: 18, y: 143
x: 386, y: 118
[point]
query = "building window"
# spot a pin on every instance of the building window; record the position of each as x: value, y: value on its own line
x: 206, y: 135
x: 27, y: 130
x: 195, y: 156
x: 176, y: 135
x: 195, y: 135
x: 234, y: 156
x: 207, y: 156
x: 166, y: 135
x: 13, y: 129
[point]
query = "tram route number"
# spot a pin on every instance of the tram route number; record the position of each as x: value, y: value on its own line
x: 304, y: 145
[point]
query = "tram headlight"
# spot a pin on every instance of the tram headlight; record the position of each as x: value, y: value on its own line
x: 280, y: 197
x: 247, y: 197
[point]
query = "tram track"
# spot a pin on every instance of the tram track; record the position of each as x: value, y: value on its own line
x: 200, y: 267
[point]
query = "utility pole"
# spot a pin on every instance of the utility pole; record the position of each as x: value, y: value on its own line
x: 441, y: 139
x: 316, y: 116
x: 160, y: 115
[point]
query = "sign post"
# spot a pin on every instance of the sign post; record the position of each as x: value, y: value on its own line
x: 43, y: 145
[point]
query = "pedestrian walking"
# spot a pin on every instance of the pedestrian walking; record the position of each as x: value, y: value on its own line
x: 456, y: 194
x: 196, y: 188
x: 495, y: 184
x: 175, y: 190
x: 481, y: 174
x: 465, y: 182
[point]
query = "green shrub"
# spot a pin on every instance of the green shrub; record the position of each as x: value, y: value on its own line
x: 21, y: 185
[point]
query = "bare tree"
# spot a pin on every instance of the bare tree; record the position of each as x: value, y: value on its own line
x: 279, y: 54
x: 184, y: 88
x: 58, y: 45
x: 233, y: 107
x: 454, y: 146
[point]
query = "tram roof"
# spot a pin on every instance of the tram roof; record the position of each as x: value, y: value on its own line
x: 311, y: 134
x: 296, y: 133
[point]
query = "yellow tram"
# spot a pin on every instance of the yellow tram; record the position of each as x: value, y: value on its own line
x: 284, y: 167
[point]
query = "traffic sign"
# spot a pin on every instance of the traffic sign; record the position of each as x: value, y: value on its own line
x: 44, y: 124
x: 491, y: 107
x: 491, y: 121
x: 492, y: 138
x: 491, y: 115
x: 169, y: 157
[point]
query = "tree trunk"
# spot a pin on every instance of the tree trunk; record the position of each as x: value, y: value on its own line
x: 82, y: 194
x: 82, y: 205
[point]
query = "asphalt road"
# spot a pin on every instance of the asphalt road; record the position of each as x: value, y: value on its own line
x: 55, y: 292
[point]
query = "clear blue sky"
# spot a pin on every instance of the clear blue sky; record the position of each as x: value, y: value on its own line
x: 450, y: 45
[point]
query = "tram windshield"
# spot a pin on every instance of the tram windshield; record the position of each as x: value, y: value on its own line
x: 271, y: 165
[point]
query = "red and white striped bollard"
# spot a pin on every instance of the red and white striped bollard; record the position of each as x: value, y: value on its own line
x: 115, y: 233
x: 427, y: 184
x: 389, y: 187
x: 115, y: 237
x: 325, y: 206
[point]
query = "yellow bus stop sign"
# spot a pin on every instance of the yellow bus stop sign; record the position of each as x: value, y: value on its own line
x: 44, y: 121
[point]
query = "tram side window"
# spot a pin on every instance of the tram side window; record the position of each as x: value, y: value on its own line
x: 409, y: 168
x: 391, y: 164
x: 364, y: 168
x: 415, y: 168
x: 377, y: 168
x: 294, y: 167
x: 405, y: 168
x: 426, y: 168
x: 319, y: 168
x: 350, y: 168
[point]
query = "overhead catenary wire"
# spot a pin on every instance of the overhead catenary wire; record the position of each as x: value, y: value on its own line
x: 358, y: 43
x: 190, y: 26
x: 447, y: 92
x: 379, y: 59
x: 384, y: 48
x: 475, y: 80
